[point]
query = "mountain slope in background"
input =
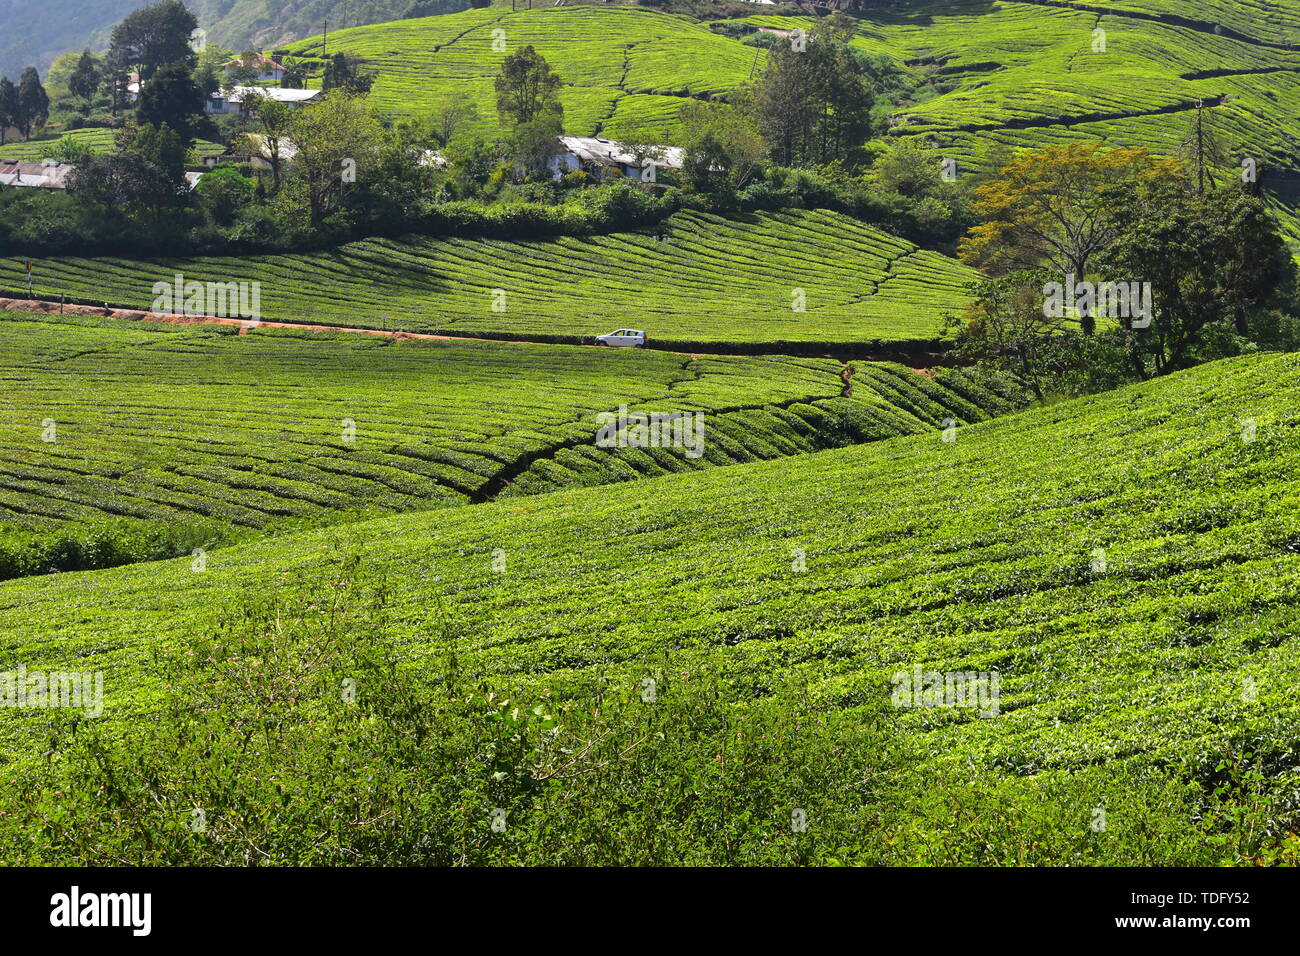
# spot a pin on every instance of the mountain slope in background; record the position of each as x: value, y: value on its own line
x: 37, y: 31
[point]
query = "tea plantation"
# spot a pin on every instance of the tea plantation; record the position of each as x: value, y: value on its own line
x: 126, y: 441
x: 626, y: 71
x: 800, y: 276
x: 671, y: 671
x: 1013, y: 75
x: 94, y: 139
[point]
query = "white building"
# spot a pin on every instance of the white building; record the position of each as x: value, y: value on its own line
x: 597, y: 153
x: 268, y: 69
x: 238, y: 97
x: 47, y: 174
x: 52, y: 174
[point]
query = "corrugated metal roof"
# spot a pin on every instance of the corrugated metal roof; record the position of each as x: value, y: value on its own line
x: 48, y: 174
x: 593, y: 149
x: 236, y: 94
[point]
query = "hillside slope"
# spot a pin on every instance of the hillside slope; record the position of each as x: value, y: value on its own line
x: 626, y: 70
x: 194, y: 437
x: 1028, y: 73
x: 1128, y: 563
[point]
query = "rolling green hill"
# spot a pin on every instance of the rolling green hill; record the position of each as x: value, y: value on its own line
x: 1129, y: 564
x: 1012, y: 75
x: 626, y: 69
x: 128, y: 441
x: 697, y: 278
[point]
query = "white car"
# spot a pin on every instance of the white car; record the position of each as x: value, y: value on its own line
x: 623, y: 338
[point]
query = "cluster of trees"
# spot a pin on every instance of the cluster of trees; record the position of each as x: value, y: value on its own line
x: 24, y: 107
x: 1215, y: 274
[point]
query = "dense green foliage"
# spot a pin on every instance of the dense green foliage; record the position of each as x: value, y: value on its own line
x: 1129, y: 564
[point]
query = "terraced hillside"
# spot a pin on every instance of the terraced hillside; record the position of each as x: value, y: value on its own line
x: 1027, y: 74
x: 626, y: 70
x: 187, y: 437
x: 94, y: 139
x: 1129, y: 564
x: 697, y: 278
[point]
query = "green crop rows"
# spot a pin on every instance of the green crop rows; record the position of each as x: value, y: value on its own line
x: 977, y: 554
x: 1025, y: 75
x: 698, y: 278
x: 626, y: 70
x: 97, y: 140
x: 236, y: 434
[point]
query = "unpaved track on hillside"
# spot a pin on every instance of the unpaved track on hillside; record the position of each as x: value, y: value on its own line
x: 50, y: 307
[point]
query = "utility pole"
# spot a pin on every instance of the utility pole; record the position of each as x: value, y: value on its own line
x: 1200, y: 150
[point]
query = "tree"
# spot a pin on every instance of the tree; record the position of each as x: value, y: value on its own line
x: 246, y: 70
x: 1054, y: 206
x: 115, y: 81
x: 33, y: 103
x: 124, y: 184
x: 526, y: 87
x: 1201, y: 150
x: 723, y: 146
x: 338, y: 140
x: 451, y: 117
x: 151, y: 38
x: 8, y: 107
x: 295, y: 73
x: 471, y: 161
x: 344, y: 73
x: 813, y: 102
x: 85, y: 79
x: 163, y: 147
x: 59, y: 75
x: 1211, y: 259
x: 910, y: 168
x: 69, y: 149
x: 223, y: 193
x: 1006, y: 327
x: 275, y: 119
x: 172, y: 98
x: 210, y: 70
x: 532, y: 144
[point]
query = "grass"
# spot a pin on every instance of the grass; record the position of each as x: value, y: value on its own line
x: 132, y: 441
x: 1154, y: 683
x: 698, y: 278
x: 626, y: 70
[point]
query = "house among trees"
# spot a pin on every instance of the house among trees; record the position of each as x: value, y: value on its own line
x: 597, y: 155
x: 237, y: 97
x: 232, y: 98
x: 52, y: 174
x: 48, y: 174
x: 268, y: 70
